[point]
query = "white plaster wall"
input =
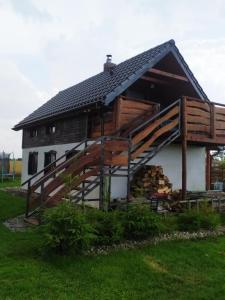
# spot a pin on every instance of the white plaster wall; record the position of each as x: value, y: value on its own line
x: 169, y: 158
x: 60, y: 150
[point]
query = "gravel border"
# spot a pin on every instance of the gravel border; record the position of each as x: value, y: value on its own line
x: 175, y: 236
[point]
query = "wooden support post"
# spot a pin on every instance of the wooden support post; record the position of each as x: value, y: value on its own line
x: 42, y: 193
x: 212, y: 120
x: 184, y: 148
x: 83, y: 183
x: 128, y: 169
x: 208, y: 170
x: 110, y: 185
x: 28, y: 199
x: 101, y: 186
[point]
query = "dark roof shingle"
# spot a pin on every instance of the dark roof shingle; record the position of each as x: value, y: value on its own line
x: 103, y: 87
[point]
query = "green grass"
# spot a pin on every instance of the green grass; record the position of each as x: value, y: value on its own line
x: 9, y: 182
x: 169, y: 270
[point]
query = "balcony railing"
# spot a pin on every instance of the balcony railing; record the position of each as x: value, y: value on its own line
x: 205, y: 121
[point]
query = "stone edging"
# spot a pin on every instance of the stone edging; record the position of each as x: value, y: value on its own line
x: 175, y: 236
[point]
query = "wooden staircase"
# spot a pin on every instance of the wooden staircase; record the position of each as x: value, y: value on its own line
x: 120, y: 155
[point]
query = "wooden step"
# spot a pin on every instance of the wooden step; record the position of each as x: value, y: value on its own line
x: 32, y: 221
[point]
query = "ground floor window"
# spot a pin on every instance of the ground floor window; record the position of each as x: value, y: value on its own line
x: 50, y: 157
x: 32, y: 163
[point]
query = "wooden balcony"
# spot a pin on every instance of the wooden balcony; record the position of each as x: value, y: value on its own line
x: 204, y: 121
x: 125, y: 111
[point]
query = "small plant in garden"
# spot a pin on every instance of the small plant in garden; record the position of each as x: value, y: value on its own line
x: 194, y: 220
x: 65, y: 229
x: 108, y: 226
x: 140, y: 222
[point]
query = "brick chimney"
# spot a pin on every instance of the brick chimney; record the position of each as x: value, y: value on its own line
x: 108, y: 65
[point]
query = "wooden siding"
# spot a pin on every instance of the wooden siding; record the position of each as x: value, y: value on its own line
x: 68, y: 130
x: 129, y: 109
x: 124, y: 111
x: 205, y: 121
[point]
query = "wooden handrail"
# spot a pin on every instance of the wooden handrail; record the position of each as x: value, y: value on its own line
x: 142, y: 134
x: 76, y: 156
x: 154, y: 117
x: 203, y: 114
x: 218, y: 104
x: 155, y: 136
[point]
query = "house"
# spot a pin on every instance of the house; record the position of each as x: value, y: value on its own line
x: 149, y: 109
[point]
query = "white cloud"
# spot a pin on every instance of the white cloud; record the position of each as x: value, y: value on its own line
x: 18, y: 98
x: 48, y: 45
x: 207, y: 61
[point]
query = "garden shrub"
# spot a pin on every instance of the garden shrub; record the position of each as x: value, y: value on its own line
x: 65, y: 229
x: 108, y: 226
x: 140, y: 222
x: 169, y: 223
x: 193, y: 220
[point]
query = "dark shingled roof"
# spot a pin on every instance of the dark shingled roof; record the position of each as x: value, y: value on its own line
x: 104, y: 87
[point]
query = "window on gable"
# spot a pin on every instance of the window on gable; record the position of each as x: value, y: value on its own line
x: 50, y: 157
x: 50, y: 129
x: 33, y: 132
x: 32, y: 163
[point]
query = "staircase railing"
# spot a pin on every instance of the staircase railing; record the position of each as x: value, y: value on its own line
x: 40, y: 181
x: 58, y: 169
x: 164, y: 127
x: 166, y: 122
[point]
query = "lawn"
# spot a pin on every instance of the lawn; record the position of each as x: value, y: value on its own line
x: 9, y: 182
x: 169, y: 270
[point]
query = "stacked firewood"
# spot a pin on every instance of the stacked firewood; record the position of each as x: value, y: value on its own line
x: 150, y: 180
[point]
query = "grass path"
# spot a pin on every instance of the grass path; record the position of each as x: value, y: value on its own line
x: 169, y: 270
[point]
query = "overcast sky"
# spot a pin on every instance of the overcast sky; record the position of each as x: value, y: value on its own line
x: 49, y: 45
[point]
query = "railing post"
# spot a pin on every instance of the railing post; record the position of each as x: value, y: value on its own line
x: 83, y: 183
x: 208, y: 169
x: 28, y: 199
x: 110, y: 185
x: 212, y: 120
x: 101, y: 186
x: 128, y: 168
x: 42, y: 193
x: 184, y: 148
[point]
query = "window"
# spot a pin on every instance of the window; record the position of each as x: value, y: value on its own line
x: 32, y: 163
x: 50, y: 157
x: 50, y: 129
x: 33, y: 132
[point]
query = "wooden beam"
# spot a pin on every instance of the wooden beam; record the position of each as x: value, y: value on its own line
x: 184, y: 149
x: 212, y: 121
x: 208, y: 170
x: 155, y: 80
x: 167, y: 74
